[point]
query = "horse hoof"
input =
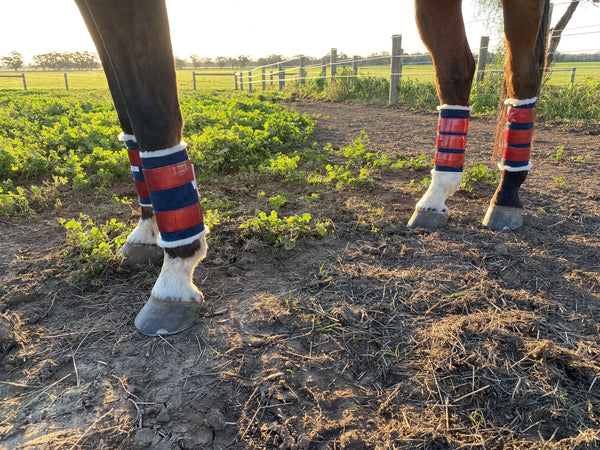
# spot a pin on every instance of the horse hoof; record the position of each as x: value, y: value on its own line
x: 165, y: 317
x: 141, y: 254
x: 500, y: 218
x: 429, y: 220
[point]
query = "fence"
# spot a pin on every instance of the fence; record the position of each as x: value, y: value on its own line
x: 276, y: 75
x: 17, y: 76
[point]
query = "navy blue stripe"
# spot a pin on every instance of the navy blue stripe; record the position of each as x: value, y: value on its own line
x: 183, y: 234
x: 449, y: 150
x: 527, y: 106
x: 162, y: 161
x: 519, y: 126
x: 132, y: 145
x: 176, y: 198
x: 139, y: 175
x: 145, y: 201
x: 514, y: 163
x: 518, y: 145
x: 454, y: 113
x: 448, y: 169
x: 452, y: 134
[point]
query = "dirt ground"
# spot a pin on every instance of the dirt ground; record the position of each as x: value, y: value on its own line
x: 375, y: 337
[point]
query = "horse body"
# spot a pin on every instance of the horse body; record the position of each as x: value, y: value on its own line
x: 134, y: 45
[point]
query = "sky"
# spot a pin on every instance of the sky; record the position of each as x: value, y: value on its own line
x: 260, y: 28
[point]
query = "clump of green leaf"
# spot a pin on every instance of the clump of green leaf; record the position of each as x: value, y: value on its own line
x: 283, y: 232
x: 477, y: 174
x: 93, y: 248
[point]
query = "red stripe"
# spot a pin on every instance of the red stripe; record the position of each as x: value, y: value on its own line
x: 142, y: 189
x: 449, y: 159
x: 518, y: 136
x: 454, y: 141
x: 520, y: 115
x: 180, y: 219
x: 169, y: 177
x: 516, y: 154
x: 134, y: 158
x: 452, y: 125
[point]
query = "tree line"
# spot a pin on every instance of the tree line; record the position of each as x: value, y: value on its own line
x: 53, y: 61
x: 90, y: 61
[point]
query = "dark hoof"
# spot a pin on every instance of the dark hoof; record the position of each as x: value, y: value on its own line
x: 501, y: 218
x: 164, y: 317
x: 141, y: 254
x: 429, y: 220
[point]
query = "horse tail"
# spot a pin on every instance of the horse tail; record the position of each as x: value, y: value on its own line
x: 541, y: 50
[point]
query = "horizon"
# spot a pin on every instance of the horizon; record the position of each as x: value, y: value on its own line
x: 261, y: 31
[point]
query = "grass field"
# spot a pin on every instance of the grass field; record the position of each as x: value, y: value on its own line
x: 88, y: 80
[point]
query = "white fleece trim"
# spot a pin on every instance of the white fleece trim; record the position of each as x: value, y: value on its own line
x: 517, y: 102
x: 164, y: 152
x: 127, y: 137
x: 463, y: 108
x: 181, y: 242
x: 514, y: 169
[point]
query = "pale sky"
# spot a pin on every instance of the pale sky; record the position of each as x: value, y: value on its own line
x: 262, y: 27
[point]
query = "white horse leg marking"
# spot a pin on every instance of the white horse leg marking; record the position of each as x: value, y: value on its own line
x: 431, y: 211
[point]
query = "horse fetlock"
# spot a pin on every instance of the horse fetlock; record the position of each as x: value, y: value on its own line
x: 443, y: 185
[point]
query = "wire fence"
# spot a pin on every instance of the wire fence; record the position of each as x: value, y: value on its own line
x: 393, y: 65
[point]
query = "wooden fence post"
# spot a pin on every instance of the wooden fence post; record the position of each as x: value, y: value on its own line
x: 482, y: 58
x: 194, y: 80
x: 235, y: 76
x: 250, y: 81
x: 355, y: 65
x: 66, y: 82
x: 573, y: 76
x: 241, y: 80
x: 333, y: 64
x: 301, y: 71
x: 281, y: 76
x: 264, y: 82
x: 395, y: 68
x: 24, y: 83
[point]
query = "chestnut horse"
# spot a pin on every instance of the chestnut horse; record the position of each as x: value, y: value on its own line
x: 133, y: 42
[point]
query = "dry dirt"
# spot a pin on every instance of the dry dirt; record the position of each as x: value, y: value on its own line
x: 374, y: 337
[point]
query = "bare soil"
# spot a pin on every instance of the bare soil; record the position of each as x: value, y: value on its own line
x: 375, y: 337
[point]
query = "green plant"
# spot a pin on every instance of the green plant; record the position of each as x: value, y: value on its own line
x: 93, y: 248
x: 477, y: 174
x: 283, y: 232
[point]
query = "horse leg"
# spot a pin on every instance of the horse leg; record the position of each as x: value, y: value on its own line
x: 135, y: 35
x: 442, y: 31
x: 525, y: 24
x: 140, y: 246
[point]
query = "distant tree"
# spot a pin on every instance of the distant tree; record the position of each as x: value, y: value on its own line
x: 243, y: 61
x: 221, y: 61
x: 13, y: 60
x: 180, y: 63
x: 196, y: 61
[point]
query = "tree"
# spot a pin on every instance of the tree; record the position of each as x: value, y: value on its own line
x: 491, y: 12
x: 14, y: 60
x: 556, y: 32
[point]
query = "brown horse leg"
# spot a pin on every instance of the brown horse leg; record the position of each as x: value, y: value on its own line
x: 140, y: 247
x: 135, y: 35
x: 525, y: 29
x: 442, y: 31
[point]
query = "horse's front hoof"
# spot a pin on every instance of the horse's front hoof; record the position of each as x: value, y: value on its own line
x: 428, y: 220
x: 165, y: 317
x: 502, y: 218
x: 141, y: 254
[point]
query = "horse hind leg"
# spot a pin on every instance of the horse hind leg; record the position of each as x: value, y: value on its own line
x: 442, y: 30
x: 525, y: 27
x: 140, y: 248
